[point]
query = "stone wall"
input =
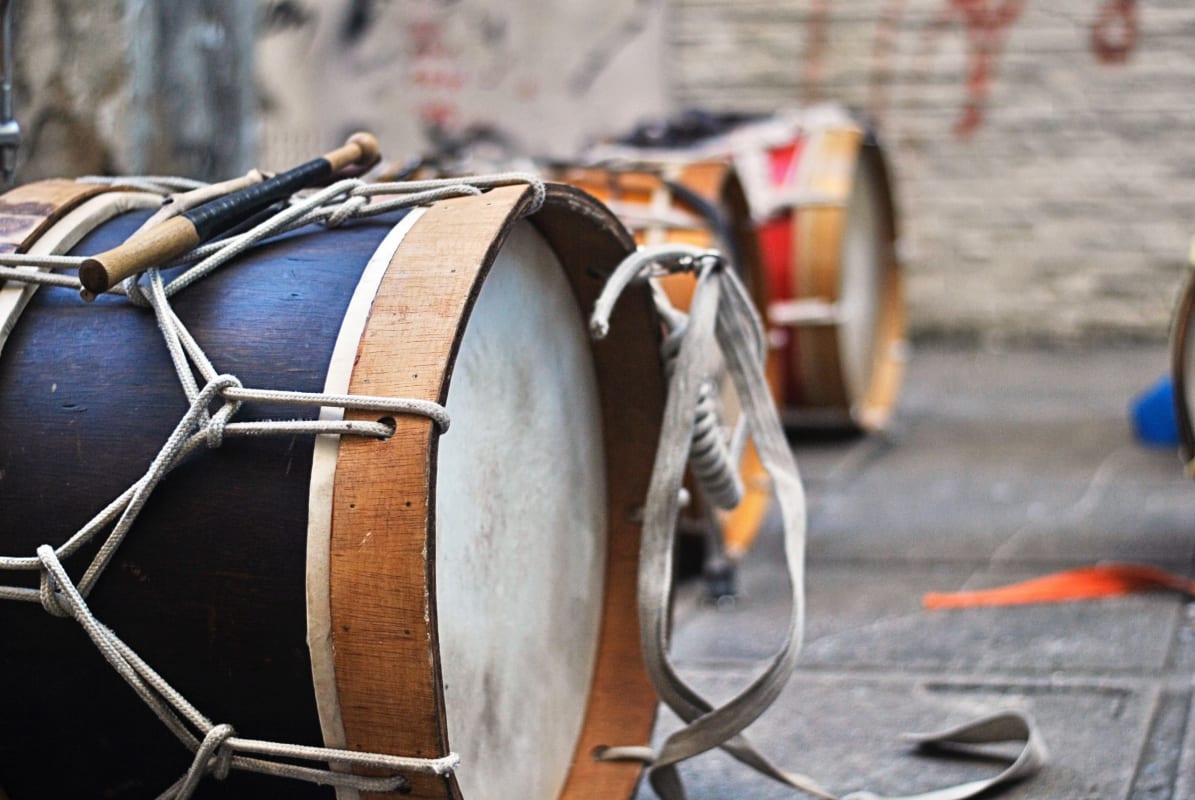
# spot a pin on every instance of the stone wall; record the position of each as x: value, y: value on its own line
x: 1042, y: 147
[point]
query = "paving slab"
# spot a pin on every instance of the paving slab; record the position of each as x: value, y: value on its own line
x: 1023, y: 456
x: 844, y: 730
x: 870, y: 615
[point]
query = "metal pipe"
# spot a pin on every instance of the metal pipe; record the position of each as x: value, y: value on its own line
x: 10, y: 131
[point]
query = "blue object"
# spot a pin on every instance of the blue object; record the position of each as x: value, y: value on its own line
x: 1152, y: 413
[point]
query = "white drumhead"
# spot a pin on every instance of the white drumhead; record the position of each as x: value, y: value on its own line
x: 861, y: 283
x: 520, y: 530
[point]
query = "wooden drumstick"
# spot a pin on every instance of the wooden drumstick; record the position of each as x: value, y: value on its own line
x: 174, y: 237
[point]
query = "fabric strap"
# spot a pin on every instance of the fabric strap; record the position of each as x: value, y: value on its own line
x: 722, y: 315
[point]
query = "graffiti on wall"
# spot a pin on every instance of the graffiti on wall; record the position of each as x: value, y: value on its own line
x: 1114, y: 32
x: 985, y: 27
x: 544, y: 75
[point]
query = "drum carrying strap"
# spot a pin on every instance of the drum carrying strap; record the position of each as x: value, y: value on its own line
x: 721, y: 314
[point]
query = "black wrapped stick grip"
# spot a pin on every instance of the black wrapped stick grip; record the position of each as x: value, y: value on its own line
x: 174, y: 237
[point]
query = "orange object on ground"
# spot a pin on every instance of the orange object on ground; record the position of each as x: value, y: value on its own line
x: 1084, y: 583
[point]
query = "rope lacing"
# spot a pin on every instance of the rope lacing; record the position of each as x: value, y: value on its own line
x: 349, y: 199
x: 217, y: 749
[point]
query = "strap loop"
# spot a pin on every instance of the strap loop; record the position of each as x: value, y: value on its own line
x: 722, y: 315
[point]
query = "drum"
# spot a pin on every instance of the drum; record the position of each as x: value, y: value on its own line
x: 1182, y: 372
x: 699, y: 203
x: 827, y: 230
x: 818, y: 188
x: 415, y: 595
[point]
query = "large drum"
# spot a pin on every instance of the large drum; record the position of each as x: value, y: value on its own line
x: 699, y: 203
x: 472, y: 593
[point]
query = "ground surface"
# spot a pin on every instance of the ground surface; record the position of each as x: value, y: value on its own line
x: 999, y: 466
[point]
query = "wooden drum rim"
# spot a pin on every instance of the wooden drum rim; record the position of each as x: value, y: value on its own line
x: 1179, y: 341
x: 875, y: 407
x: 442, y: 259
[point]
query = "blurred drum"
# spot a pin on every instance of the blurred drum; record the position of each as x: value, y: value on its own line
x: 411, y: 596
x: 1182, y: 372
x: 818, y: 188
x: 699, y: 203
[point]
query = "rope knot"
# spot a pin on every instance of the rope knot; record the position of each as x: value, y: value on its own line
x: 51, y: 596
x: 346, y: 211
x: 214, y: 429
x: 215, y: 744
x: 136, y: 292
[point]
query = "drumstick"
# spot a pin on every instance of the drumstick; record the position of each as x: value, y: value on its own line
x: 177, y: 235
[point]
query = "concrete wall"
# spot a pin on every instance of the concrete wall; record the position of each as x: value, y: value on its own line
x: 1042, y: 148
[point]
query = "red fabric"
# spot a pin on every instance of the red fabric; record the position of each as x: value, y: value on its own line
x: 782, y: 159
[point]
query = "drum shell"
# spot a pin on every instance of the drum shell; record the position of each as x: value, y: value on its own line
x: 800, y: 170
x: 209, y: 587
x: 700, y: 203
x: 803, y: 245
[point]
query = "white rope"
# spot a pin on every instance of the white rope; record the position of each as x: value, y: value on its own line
x: 157, y: 184
x: 217, y: 752
x: 722, y: 315
x: 216, y: 748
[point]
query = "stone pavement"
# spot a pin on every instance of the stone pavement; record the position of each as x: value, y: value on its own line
x: 999, y: 466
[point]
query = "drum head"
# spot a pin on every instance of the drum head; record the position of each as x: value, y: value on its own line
x: 520, y: 529
x: 862, y: 281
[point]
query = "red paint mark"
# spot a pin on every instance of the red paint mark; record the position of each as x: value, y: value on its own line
x: 427, y: 39
x: 1114, y: 32
x: 815, y: 52
x: 438, y: 78
x: 986, y: 31
x: 438, y: 113
x: 527, y: 88
x: 887, y: 28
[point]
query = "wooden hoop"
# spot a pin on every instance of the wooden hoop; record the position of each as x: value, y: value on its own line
x: 1182, y: 348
